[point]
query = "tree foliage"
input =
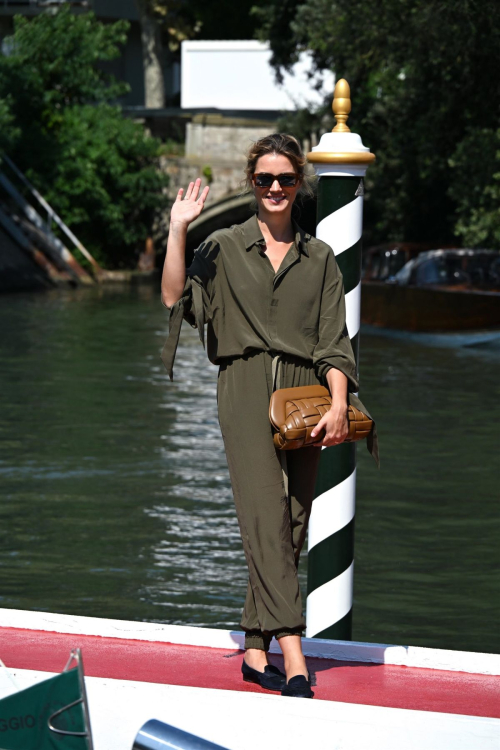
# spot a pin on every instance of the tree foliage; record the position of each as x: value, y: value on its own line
x: 190, y: 19
x: 475, y: 188
x: 175, y: 17
x: 106, y: 181
x: 425, y: 94
x: 95, y: 167
x: 9, y: 133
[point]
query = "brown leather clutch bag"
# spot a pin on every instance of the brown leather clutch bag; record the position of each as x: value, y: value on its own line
x: 294, y: 412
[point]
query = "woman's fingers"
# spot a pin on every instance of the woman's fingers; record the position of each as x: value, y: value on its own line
x: 318, y: 427
x: 203, y: 196
x: 317, y: 431
x: 334, y: 434
x: 196, y: 189
x: 187, y: 205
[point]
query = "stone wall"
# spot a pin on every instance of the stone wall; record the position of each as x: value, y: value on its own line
x: 222, y: 142
x: 225, y: 178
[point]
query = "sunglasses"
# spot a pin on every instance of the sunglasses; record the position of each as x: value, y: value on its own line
x: 266, y: 180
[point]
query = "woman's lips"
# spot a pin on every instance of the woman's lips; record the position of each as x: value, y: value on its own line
x: 276, y: 200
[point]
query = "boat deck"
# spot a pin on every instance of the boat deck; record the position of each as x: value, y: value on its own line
x: 373, y: 696
x: 196, y: 666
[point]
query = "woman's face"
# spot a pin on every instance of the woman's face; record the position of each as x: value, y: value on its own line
x: 275, y: 199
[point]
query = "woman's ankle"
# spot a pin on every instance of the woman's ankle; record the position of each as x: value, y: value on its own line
x: 256, y: 658
x: 295, y: 665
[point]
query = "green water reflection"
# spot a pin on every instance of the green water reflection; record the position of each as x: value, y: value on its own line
x: 116, y: 502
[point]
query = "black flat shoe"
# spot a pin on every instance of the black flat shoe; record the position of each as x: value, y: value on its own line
x: 298, y: 687
x: 270, y: 679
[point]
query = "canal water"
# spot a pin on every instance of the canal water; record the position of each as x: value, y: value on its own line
x: 115, y: 496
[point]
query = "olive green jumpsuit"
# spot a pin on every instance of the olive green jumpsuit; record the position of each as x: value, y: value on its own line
x: 294, y: 318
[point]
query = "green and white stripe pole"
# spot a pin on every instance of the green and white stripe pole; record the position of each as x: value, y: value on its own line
x: 340, y: 161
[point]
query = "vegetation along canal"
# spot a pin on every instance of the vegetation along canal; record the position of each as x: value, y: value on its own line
x: 116, y: 499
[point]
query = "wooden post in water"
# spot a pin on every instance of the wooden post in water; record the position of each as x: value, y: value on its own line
x: 340, y: 161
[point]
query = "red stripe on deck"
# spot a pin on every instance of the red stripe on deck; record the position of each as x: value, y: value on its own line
x: 195, y: 666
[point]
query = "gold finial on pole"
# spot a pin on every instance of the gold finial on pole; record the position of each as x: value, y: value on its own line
x: 341, y: 146
x: 341, y: 106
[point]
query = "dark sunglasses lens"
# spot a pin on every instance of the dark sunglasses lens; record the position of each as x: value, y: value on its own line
x: 264, y: 180
x: 287, y: 180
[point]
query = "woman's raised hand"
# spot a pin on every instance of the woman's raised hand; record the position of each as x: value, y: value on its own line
x: 184, y: 211
x: 188, y: 207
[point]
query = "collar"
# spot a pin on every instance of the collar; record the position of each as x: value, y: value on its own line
x: 253, y: 236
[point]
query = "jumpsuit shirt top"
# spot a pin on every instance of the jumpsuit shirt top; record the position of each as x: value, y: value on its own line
x: 256, y: 316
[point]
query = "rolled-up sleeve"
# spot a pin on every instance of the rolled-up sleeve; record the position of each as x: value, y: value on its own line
x: 334, y: 345
x: 194, y: 306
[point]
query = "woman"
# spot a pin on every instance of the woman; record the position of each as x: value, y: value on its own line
x: 273, y: 299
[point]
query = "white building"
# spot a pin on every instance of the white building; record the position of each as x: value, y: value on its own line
x: 238, y: 76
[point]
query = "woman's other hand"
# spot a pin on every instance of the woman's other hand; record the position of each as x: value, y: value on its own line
x: 334, y: 422
x: 188, y: 207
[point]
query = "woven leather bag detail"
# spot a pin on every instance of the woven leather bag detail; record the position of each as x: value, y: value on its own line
x: 294, y: 412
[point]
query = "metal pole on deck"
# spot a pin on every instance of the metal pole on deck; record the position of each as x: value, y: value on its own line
x: 155, y: 735
x: 340, y: 161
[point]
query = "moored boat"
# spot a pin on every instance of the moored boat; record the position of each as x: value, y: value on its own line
x: 433, y: 291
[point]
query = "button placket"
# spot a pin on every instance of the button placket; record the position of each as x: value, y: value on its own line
x: 272, y: 316
x: 272, y: 312
x: 294, y: 259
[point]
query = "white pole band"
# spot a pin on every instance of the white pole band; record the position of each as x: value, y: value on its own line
x: 342, y: 228
x: 329, y: 603
x: 333, y: 510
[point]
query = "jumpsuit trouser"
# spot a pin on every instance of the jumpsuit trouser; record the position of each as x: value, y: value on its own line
x: 273, y: 522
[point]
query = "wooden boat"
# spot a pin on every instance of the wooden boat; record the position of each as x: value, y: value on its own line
x: 432, y: 291
x: 373, y: 696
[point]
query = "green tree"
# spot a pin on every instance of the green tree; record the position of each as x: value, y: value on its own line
x: 8, y: 131
x: 422, y: 79
x: 189, y: 19
x: 106, y: 182
x: 98, y: 169
x: 475, y: 188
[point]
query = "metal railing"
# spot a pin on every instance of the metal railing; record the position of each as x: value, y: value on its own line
x: 52, y: 216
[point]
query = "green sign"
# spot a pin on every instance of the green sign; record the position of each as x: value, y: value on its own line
x: 48, y: 716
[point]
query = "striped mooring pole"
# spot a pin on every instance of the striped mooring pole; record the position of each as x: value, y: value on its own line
x: 340, y: 161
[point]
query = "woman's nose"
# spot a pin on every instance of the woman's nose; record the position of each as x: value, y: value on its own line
x: 276, y: 185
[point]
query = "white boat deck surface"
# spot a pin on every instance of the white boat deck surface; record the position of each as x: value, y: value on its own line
x: 367, y: 696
